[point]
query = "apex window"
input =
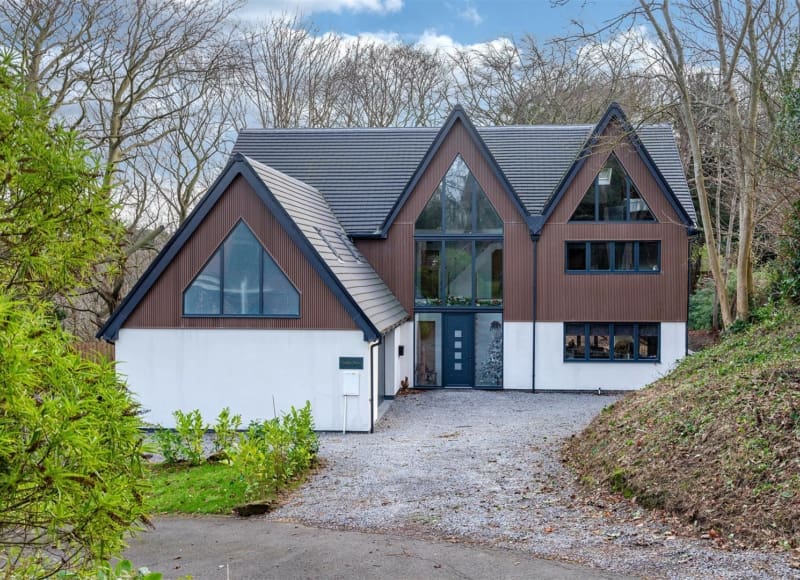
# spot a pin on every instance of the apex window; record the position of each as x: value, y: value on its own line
x: 241, y: 279
x: 613, y: 197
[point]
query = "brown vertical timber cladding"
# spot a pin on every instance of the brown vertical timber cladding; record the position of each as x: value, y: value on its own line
x: 393, y: 258
x: 613, y: 297
x: 162, y: 306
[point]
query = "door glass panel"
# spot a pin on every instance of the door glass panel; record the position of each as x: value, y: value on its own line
x: 428, y: 265
x: 648, y: 341
x: 242, y: 261
x: 489, y: 273
x: 489, y: 349
x: 203, y: 296
x: 623, y: 341
x: 598, y: 341
x: 458, y: 288
x: 574, y: 344
x: 429, y: 349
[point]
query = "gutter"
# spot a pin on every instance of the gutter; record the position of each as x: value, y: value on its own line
x: 535, y: 240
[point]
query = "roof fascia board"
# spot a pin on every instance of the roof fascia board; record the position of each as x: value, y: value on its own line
x: 458, y: 114
x: 110, y: 330
x: 237, y: 166
x: 614, y: 112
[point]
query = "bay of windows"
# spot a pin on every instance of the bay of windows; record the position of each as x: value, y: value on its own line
x: 603, y: 341
x: 617, y: 256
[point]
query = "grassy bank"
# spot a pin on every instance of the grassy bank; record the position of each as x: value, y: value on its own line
x: 716, y: 442
x: 210, y: 488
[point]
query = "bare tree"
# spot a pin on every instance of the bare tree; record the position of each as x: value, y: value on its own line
x: 749, y: 46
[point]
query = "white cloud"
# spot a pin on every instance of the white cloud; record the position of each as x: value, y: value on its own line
x: 432, y: 41
x: 307, y: 7
x: 471, y: 14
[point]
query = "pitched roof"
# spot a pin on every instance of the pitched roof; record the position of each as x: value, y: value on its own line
x: 310, y: 212
x: 363, y: 172
x: 308, y: 220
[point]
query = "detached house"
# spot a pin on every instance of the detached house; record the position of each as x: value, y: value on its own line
x: 331, y: 264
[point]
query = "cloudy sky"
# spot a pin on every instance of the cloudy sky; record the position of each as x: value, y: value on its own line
x: 443, y: 22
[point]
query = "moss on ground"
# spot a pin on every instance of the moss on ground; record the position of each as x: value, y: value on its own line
x: 716, y: 442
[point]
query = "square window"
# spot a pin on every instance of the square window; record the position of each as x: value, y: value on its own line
x: 574, y: 343
x: 457, y: 366
x: 576, y: 256
x: 457, y: 355
x: 600, y: 256
x: 648, y: 341
x: 623, y: 256
x: 457, y: 344
x: 649, y: 256
x: 457, y: 333
x: 599, y: 343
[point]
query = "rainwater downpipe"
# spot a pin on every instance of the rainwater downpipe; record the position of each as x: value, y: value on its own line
x: 534, y: 239
x: 372, y: 394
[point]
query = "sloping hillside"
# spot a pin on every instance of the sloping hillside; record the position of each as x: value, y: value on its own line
x: 717, y: 442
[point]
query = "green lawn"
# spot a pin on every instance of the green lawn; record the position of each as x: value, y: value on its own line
x: 210, y: 488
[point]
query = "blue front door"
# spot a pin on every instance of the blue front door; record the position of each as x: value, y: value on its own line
x: 459, y: 350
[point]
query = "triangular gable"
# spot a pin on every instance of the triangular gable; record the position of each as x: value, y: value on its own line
x: 237, y: 166
x: 614, y: 113
x: 458, y: 115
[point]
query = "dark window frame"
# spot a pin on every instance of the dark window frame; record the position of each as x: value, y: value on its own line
x: 587, y: 269
x: 443, y: 236
x: 611, y: 327
x: 595, y: 187
x: 221, y: 249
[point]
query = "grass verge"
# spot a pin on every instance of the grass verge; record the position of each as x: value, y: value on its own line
x: 716, y: 442
x: 210, y: 488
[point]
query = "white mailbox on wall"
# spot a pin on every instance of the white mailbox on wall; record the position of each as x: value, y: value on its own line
x: 351, y: 383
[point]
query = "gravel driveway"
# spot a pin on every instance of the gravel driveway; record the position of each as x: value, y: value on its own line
x: 484, y: 467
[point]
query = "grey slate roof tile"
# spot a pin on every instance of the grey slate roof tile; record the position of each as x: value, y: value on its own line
x: 362, y: 172
x: 313, y: 216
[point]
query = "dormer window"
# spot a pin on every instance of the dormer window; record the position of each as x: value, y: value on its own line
x: 613, y: 197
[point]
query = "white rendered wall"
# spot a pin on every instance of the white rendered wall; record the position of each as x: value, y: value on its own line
x: 517, y: 355
x: 208, y: 369
x: 552, y: 373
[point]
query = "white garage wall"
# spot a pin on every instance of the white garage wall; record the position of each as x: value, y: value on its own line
x: 208, y: 369
x: 517, y: 355
x: 552, y: 373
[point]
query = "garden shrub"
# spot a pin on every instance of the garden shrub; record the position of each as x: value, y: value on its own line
x: 225, y: 431
x: 191, y: 431
x: 71, y: 474
x: 273, y: 452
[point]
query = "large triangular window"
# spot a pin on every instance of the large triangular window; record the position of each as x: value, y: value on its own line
x: 459, y: 206
x: 613, y: 197
x: 241, y: 279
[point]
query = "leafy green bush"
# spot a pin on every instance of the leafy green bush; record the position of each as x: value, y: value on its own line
x: 225, y: 431
x: 701, y: 308
x: 71, y: 475
x: 185, y: 443
x: 272, y: 453
x: 786, y: 281
x: 191, y: 430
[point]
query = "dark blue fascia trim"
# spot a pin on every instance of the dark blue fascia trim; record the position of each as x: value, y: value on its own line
x: 614, y: 111
x: 310, y: 253
x: 236, y: 166
x: 110, y: 330
x: 458, y: 114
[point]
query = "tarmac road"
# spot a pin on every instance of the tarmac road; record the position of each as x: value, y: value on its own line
x: 228, y: 548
